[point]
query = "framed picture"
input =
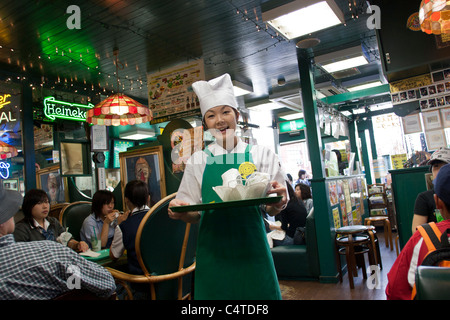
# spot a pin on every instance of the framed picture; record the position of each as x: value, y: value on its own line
x: 445, y: 114
x: 75, y: 158
x: 51, y: 181
x: 431, y: 120
x: 435, y: 139
x: 146, y: 164
x: 412, y: 124
x: 423, y: 104
x: 11, y: 184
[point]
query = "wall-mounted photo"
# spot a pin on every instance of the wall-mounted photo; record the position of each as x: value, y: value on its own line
x: 146, y: 164
x: 75, y: 158
x: 50, y: 180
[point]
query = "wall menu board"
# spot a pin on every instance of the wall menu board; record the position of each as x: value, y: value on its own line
x: 120, y: 146
x: 170, y: 94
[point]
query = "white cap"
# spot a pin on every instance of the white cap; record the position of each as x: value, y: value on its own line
x: 215, y: 92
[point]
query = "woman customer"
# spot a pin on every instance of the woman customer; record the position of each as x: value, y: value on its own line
x: 37, y: 225
x: 303, y: 192
x: 102, y: 221
x: 233, y: 258
x: 292, y: 217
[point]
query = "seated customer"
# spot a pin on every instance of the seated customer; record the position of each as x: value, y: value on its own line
x: 303, y: 192
x: 401, y: 277
x: 293, y: 216
x: 425, y: 207
x: 42, y: 269
x: 136, y: 199
x: 103, y: 219
x: 37, y: 225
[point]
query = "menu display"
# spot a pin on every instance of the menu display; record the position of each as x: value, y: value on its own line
x: 170, y: 94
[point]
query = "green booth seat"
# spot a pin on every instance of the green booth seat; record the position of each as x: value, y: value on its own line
x: 432, y: 283
x: 73, y: 215
x: 299, y: 262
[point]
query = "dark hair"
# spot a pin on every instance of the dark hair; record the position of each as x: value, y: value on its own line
x: 300, y: 173
x: 291, y: 192
x: 137, y: 192
x: 100, y: 198
x: 32, y: 198
x: 305, y: 189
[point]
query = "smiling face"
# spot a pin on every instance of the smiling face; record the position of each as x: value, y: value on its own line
x: 222, y: 122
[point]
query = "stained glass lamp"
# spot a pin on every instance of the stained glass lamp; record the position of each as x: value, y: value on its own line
x: 7, y: 151
x: 119, y: 110
x: 434, y: 16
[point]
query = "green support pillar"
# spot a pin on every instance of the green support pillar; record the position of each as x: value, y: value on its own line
x: 28, y: 137
x: 322, y: 209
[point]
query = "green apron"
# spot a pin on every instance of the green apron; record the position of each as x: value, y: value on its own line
x: 233, y: 257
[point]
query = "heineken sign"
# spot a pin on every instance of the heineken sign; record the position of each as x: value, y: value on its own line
x: 65, y: 110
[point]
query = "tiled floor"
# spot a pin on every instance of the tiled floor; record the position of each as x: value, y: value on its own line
x: 314, y: 290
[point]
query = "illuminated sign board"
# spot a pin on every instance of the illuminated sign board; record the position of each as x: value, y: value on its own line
x: 4, y: 170
x: 290, y: 126
x: 65, y: 110
x: 6, y: 115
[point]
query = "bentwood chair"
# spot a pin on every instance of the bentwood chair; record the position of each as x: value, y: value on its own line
x: 73, y: 215
x: 55, y: 209
x: 165, y: 250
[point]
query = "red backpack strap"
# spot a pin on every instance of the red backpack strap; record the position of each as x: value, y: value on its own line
x: 431, y: 235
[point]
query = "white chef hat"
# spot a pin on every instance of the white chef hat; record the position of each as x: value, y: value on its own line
x: 215, y: 92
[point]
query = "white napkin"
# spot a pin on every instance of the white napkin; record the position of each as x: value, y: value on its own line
x: 90, y: 253
x: 233, y: 188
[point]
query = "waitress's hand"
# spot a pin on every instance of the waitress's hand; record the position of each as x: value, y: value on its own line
x: 280, y: 190
x: 188, y: 217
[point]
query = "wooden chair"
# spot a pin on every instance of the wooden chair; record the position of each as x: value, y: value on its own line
x: 55, y: 209
x: 165, y: 250
x: 73, y: 215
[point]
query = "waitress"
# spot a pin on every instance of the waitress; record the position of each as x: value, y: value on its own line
x: 233, y: 258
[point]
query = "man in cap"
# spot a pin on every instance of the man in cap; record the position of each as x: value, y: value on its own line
x: 425, y: 207
x: 41, y: 270
x: 232, y: 241
x: 401, y: 277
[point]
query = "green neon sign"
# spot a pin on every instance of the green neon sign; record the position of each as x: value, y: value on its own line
x: 290, y: 126
x: 65, y: 110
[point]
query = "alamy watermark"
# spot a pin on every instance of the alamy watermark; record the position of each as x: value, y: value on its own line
x: 74, y: 280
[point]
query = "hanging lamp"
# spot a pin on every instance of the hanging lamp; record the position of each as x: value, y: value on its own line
x: 7, y: 151
x: 434, y: 16
x: 118, y: 109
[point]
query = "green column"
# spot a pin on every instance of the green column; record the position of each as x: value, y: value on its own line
x: 322, y: 209
x: 28, y: 137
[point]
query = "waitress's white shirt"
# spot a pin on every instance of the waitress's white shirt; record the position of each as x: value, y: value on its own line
x: 265, y: 160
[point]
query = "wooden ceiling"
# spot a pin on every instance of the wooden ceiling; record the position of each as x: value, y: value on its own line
x: 229, y: 35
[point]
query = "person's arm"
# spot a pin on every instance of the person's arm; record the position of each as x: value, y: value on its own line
x: 188, y: 217
x: 417, y: 221
x: 280, y: 190
x: 421, y: 211
x: 117, y: 248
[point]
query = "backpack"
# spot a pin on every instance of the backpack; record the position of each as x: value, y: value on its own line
x: 438, y: 247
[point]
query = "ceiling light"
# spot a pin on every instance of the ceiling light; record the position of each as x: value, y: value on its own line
x: 292, y: 116
x: 364, y: 86
x: 241, y: 89
x: 343, y: 59
x: 265, y: 106
x: 301, y: 17
x: 137, y: 134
